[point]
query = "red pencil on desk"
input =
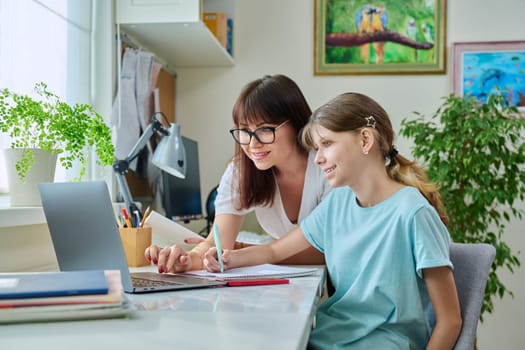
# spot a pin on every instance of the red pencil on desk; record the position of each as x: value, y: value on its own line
x: 257, y: 282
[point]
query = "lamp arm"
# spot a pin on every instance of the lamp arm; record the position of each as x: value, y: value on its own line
x: 126, y: 193
x: 154, y: 126
x: 121, y: 167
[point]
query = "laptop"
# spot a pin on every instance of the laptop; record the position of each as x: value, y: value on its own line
x: 85, y: 236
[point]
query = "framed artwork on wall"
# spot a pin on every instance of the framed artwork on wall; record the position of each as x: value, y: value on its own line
x: 484, y: 68
x: 390, y: 37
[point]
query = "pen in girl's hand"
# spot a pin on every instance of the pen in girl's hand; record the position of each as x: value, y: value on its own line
x: 217, y: 238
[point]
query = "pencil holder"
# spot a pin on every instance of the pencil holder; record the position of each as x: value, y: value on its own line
x: 135, y: 241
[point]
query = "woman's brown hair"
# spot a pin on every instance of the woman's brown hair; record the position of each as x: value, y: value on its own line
x: 271, y: 99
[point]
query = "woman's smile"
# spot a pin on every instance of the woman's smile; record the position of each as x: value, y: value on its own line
x: 258, y: 156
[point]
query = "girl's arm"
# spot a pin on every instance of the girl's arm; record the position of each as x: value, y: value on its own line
x: 310, y: 256
x: 275, y: 252
x: 443, y: 295
x: 229, y: 226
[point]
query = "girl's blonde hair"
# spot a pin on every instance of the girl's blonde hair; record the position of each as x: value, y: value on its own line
x: 352, y: 112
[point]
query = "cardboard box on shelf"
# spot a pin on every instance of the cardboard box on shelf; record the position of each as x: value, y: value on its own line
x: 217, y: 23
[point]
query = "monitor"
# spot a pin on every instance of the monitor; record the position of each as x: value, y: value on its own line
x: 182, y: 197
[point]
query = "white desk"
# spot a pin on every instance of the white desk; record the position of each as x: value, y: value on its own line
x: 258, y: 317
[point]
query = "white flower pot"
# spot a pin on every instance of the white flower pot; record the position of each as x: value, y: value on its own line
x: 25, y: 194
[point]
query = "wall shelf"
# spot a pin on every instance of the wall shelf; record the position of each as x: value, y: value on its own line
x: 174, y: 30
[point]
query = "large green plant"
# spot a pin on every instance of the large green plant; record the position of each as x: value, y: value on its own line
x: 52, y: 125
x: 477, y: 155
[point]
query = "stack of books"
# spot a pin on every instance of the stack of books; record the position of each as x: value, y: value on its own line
x: 61, y: 296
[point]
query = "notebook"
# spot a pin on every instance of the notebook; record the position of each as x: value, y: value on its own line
x: 256, y: 272
x: 85, y: 236
x: 52, y: 284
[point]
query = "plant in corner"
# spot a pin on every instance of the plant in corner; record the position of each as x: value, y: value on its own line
x: 477, y: 156
x: 52, y: 125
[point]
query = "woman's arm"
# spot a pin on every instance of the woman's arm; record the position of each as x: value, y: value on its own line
x: 175, y: 259
x: 443, y: 295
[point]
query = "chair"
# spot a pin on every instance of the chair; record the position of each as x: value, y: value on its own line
x: 472, y: 262
x: 210, y: 208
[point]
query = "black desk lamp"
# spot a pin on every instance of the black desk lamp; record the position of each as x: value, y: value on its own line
x: 169, y: 156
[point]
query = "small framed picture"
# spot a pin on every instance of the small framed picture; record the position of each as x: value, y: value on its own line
x: 484, y: 68
x: 363, y: 37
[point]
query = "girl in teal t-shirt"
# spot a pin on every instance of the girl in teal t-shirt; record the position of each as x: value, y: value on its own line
x: 382, y: 230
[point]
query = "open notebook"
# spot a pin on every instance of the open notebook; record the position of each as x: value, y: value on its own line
x: 255, y: 272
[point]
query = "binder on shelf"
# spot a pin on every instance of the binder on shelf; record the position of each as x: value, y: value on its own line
x: 217, y: 23
x: 229, y: 45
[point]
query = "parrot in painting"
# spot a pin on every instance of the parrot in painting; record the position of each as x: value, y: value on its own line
x: 370, y: 19
x: 428, y: 32
x: 412, y: 33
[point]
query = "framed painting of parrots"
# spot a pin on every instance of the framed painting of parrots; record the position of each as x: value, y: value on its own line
x: 383, y: 37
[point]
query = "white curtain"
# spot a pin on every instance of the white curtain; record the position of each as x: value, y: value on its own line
x: 48, y: 41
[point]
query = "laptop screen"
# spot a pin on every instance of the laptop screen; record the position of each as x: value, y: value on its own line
x: 83, y: 227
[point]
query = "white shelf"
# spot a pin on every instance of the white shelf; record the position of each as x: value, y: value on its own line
x: 180, y: 44
x: 174, y: 30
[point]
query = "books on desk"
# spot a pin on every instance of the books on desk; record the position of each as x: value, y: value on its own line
x: 67, y: 298
x: 49, y: 284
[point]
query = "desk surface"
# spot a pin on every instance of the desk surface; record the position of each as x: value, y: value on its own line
x: 256, y: 317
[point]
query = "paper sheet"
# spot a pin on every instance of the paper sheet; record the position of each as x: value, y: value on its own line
x: 167, y: 232
x: 124, y: 117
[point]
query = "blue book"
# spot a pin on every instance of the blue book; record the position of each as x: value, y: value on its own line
x: 51, y: 284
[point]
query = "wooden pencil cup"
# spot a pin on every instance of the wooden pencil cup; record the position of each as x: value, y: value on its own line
x: 135, y: 241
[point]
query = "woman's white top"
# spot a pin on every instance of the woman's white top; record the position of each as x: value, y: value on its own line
x: 273, y: 219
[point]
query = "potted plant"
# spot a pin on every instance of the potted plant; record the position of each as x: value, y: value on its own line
x: 48, y: 124
x: 476, y: 154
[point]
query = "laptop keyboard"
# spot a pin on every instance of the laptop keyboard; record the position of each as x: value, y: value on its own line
x: 142, y: 282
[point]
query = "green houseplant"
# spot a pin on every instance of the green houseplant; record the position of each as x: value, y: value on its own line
x: 49, y: 124
x: 477, y: 155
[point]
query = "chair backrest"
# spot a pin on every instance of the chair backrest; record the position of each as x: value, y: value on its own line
x: 472, y: 262
x: 210, y: 208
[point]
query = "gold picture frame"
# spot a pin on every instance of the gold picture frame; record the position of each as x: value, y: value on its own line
x: 390, y: 37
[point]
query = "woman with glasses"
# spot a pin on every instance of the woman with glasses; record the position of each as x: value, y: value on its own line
x: 270, y: 173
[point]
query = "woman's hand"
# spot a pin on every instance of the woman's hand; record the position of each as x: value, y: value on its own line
x: 211, y: 262
x: 169, y: 259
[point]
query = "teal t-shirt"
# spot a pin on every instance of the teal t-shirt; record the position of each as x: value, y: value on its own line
x: 375, y: 258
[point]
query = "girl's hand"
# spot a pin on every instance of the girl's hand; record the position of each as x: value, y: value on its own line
x: 211, y: 262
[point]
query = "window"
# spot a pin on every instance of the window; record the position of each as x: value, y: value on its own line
x: 49, y: 41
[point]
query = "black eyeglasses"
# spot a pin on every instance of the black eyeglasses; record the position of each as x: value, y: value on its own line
x: 265, y: 135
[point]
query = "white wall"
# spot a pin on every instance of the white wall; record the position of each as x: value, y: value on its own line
x: 276, y: 36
